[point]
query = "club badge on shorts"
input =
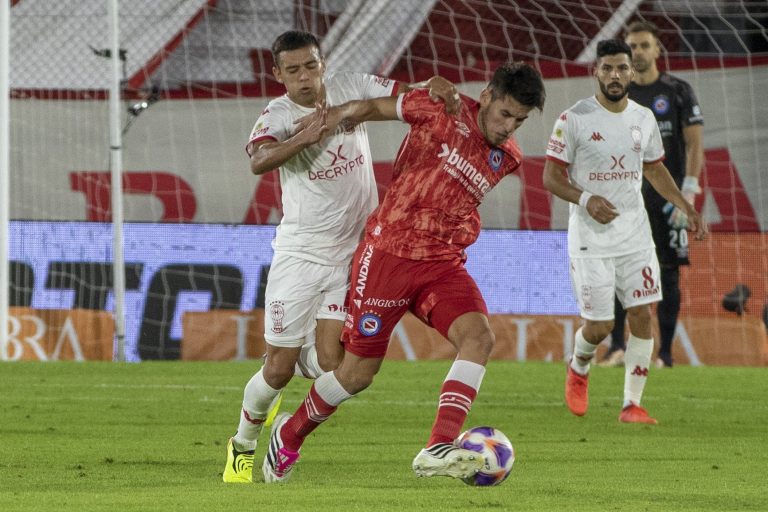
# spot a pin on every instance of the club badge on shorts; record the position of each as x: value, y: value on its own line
x: 277, y: 312
x: 369, y: 324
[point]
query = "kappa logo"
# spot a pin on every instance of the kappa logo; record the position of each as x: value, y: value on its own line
x: 596, y: 136
x: 640, y: 372
x: 337, y: 155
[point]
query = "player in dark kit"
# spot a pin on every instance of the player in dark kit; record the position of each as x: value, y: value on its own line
x: 678, y: 115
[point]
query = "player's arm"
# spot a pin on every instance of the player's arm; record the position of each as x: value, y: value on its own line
x: 360, y: 111
x: 658, y: 176
x: 385, y: 109
x: 269, y: 154
x: 694, y: 158
x: 556, y: 181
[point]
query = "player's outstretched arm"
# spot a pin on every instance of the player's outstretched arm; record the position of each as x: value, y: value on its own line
x: 658, y: 176
x: 360, y: 111
x: 270, y: 154
x: 598, y: 207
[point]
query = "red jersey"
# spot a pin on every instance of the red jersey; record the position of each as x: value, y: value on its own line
x: 442, y: 173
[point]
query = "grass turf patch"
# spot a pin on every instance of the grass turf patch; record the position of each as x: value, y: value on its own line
x: 152, y: 436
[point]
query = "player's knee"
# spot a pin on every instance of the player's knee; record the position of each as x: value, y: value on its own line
x: 278, y: 373
x: 329, y: 359
x: 480, y: 342
x: 472, y: 334
x: 639, y: 316
x: 355, y: 382
x: 596, y: 331
x: 486, y: 340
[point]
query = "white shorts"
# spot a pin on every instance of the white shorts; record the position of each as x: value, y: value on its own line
x: 634, y: 278
x: 299, y: 292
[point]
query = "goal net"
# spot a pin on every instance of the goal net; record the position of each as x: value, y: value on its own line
x: 196, y: 75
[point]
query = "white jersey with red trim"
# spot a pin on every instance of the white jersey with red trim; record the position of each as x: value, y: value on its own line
x: 328, y: 189
x: 604, y: 152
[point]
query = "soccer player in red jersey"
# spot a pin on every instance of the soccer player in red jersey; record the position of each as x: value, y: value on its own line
x: 412, y: 259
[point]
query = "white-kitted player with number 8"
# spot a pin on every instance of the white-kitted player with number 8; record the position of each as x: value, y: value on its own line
x: 597, y: 156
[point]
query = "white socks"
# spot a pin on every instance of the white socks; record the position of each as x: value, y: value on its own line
x: 257, y: 399
x: 582, y: 348
x: 467, y: 372
x: 637, y: 359
x: 330, y: 389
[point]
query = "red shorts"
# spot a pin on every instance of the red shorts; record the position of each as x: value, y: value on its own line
x: 383, y: 287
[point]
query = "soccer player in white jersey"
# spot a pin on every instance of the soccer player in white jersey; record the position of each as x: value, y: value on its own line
x: 598, y: 154
x: 328, y: 190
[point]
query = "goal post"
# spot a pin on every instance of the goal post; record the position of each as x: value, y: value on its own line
x: 5, y: 149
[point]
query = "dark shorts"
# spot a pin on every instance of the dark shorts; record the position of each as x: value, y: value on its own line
x: 383, y: 287
x: 671, y: 244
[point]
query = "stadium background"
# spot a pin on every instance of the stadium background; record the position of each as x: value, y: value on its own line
x: 199, y: 224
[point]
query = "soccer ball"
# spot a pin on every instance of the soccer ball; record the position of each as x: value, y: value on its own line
x: 497, y: 452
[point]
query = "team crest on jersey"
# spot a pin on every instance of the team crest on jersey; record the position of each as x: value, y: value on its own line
x: 637, y: 138
x: 369, y: 324
x: 495, y: 158
x: 661, y: 105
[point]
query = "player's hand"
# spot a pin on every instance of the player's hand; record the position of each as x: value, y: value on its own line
x: 695, y: 223
x: 678, y: 219
x: 601, y: 209
x: 442, y: 89
x: 313, y: 127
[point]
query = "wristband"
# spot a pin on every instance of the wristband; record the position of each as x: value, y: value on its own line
x: 691, y: 185
x: 584, y: 199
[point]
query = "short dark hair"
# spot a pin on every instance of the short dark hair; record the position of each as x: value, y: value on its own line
x: 643, y: 26
x: 521, y: 81
x: 613, y: 47
x: 292, y: 40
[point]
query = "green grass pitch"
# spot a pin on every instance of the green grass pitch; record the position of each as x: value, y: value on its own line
x: 151, y: 436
